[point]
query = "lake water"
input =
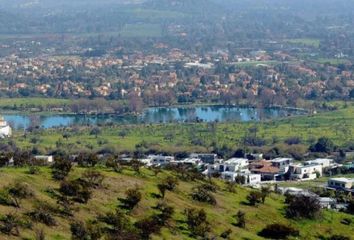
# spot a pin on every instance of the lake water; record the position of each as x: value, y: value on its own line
x: 152, y: 115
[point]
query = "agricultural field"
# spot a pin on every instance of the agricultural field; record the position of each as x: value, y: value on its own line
x: 104, y: 200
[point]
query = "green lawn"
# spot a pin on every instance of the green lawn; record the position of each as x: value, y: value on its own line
x: 305, y: 41
x: 220, y: 216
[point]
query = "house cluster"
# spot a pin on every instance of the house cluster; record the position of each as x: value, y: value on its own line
x: 251, y: 172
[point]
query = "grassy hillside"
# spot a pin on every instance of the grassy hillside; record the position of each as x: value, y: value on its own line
x: 220, y: 216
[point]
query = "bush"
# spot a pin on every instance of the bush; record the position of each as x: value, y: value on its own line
x: 93, y: 178
x: 78, y: 190
x: 78, y: 231
x: 61, y: 169
x: 33, y: 170
x: 303, y: 207
x: 42, y: 215
x: 254, y: 198
x: 202, y: 195
x: 240, y: 219
x: 9, y: 224
x: 133, y: 197
x: 19, y: 191
x: 339, y: 237
x: 197, y: 222
x: 278, y: 231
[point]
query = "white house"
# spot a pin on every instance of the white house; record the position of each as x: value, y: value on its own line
x: 305, y: 172
x: 159, y: 160
x: 282, y: 163
x: 341, y: 183
x: 324, y: 162
x: 5, y: 129
x: 231, y: 165
x: 250, y: 179
x: 44, y: 159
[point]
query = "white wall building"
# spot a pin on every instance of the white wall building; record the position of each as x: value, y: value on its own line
x: 341, y: 183
x: 305, y: 172
x: 324, y: 162
x: 5, y: 129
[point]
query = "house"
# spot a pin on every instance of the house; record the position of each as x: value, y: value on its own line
x: 159, y: 160
x: 250, y: 179
x: 305, y: 172
x: 324, y: 162
x: 5, y: 129
x: 232, y: 165
x: 327, y: 202
x: 282, y: 163
x: 267, y: 171
x: 341, y: 183
x: 44, y: 160
x: 205, y: 157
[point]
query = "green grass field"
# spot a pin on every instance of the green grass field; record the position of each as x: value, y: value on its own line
x: 337, y: 125
x: 305, y: 41
x: 220, y: 216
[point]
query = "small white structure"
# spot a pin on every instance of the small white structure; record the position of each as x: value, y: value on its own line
x: 5, y: 129
x: 305, y: 172
x: 158, y: 160
x: 250, y: 179
x: 44, y: 159
x: 209, y: 158
x: 324, y: 162
x: 341, y: 183
x: 327, y: 202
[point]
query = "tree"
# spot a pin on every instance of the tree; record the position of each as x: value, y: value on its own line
x: 254, y: 198
x: 95, y: 131
x: 61, y: 168
x: 197, y: 222
x: 265, y: 191
x: 278, y: 231
x: 119, y: 226
x: 201, y: 194
x: 162, y: 188
x: 324, y: 145
x: 19, y: 191
x: 240, y: 219
x: 133, y: 197
x: 302, y: 206
x: 93, y: 178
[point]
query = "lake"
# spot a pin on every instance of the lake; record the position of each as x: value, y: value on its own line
x: 153, y: 115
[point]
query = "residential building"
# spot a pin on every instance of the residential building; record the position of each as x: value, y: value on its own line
x: 282, y: 163
x: 267, y: 171
x: 305, y: 172
x: 341, y: 183
x: 324, y: 162
x: 5, y: 129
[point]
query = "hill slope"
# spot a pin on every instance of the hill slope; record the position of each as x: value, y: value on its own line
x: 105, y: 200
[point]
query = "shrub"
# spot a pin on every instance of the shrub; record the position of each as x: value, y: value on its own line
x: 240, y: 219
x: 133, y: 197
x: 171, y: 183
x: 61, y: 168
x: 33, y: 170
x: 338, y: 237
x: 19, y: 191
x: 93, y: 178
x: 202, y: 195
x: 226, y: 234
x: 9, y: 224
x: 197, y: 222
x: 78, y: 231
x: 147, y: 226
x: 254, y: 198
x: 78, y: 190
x: 118, y: 224
x: 302, y: 206
x: 278, y: 231
x: 42, y: 215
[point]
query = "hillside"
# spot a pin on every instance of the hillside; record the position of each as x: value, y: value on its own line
x: 104, y: 200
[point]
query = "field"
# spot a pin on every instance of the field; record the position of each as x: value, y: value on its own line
x: 337, y: 125
x: 32, y: 102
x: 305, y: 41
x: 220, y: 216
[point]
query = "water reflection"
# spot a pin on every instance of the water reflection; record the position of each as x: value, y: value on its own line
x: 152, y: 115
